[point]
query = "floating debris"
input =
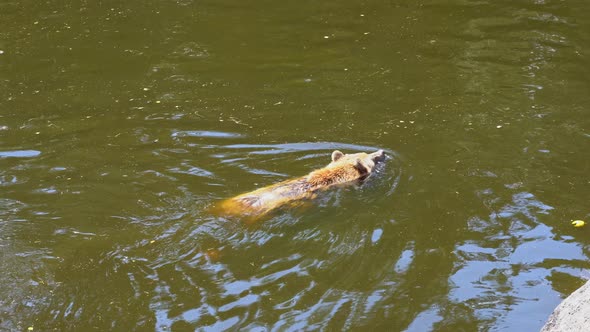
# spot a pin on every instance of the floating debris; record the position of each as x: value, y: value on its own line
x: 578, y: 223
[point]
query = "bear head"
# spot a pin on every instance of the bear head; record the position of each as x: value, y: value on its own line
x: 362, y: 162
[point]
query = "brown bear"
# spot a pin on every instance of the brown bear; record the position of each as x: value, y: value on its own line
x: 344, y: 168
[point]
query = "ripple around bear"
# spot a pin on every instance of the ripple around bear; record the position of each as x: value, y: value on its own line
x: 344, y: 168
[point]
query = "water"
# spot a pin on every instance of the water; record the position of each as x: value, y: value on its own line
x: 122, y: 123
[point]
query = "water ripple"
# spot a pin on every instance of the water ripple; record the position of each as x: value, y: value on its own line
x: 20, y: 154
x: 237, y: 273
x: 205, y: 133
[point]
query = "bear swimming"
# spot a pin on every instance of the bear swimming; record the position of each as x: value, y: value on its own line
x: 344, y: 168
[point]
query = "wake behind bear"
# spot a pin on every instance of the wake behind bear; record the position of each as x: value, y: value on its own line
x: 344, y: 169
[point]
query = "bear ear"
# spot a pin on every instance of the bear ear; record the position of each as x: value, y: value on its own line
x: 337, y: 155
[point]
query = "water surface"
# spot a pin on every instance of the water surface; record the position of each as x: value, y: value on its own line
x: 121, y: 123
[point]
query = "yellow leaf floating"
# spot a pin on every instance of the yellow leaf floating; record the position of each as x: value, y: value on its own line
x: 578, y: 223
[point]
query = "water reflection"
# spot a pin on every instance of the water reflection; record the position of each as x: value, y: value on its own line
x: 500, y: 277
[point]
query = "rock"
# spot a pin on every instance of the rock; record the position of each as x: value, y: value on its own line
x: 572, y: 314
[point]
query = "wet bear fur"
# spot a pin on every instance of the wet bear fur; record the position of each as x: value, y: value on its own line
x: 344, y: 168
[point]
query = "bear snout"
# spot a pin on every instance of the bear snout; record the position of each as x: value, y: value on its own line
x: 378, y: 156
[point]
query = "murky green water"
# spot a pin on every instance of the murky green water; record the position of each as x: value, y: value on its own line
x: 122, y: 122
